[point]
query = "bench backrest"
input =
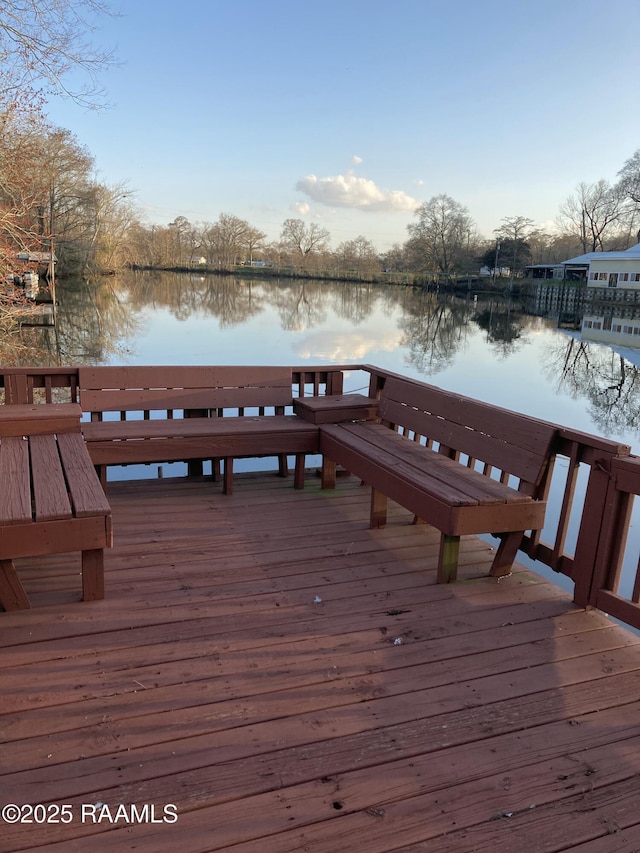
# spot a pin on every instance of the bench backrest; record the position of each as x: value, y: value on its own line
x: 506, y: 441
x: 170, y: 389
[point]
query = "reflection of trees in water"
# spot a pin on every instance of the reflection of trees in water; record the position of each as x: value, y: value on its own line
x: 609, y: 383
x: 300, y: 303
x: 433, y: 329
x: 24, y: 346
x: 232, y: 301
x: 93, y: 321
x: 503, y: 326
x: 353, y: 302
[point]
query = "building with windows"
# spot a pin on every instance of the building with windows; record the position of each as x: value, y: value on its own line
x: 615, y: 269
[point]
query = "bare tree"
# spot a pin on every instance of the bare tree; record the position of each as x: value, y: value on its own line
x: 513, y: 233
x: 592, y: 213
x: 442, y: 237
x: 226, y: 239
x: 41, y: 41
x: 253, y: 241
x: 302, y: 239
x: 358, y: 256
x: 629, y: 176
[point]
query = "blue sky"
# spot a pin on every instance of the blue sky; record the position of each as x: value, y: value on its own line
x: 349, y: 112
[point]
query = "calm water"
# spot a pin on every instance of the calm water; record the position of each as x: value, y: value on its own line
x: 488, y: 349
x: 484, y: 348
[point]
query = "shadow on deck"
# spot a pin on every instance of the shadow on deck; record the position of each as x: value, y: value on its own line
x: 283, y: 678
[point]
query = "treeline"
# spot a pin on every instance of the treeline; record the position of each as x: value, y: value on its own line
x: 50, y: 199
x: 442, y: 239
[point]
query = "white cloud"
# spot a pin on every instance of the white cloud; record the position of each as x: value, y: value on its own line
x: 350, y: 191
x: 302, y: 208
x: 356, y: 160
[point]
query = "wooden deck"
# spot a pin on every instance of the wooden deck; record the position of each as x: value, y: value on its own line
x: 293, y: 681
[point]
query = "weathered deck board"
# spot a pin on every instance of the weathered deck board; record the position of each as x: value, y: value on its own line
x: 212, y: 678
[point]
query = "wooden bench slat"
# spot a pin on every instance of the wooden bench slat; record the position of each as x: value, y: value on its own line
x: 181, y: 376
x: 171, y: 399
x: 481, y: 445
x: 15, y: 494
x: 50, y: 497
x: 126, y: 388
x: 201, y: 447
x: 87, y: 494
x: 193, y: 427
x: 527, y: 433
x: 449, y: 510
x: 431, y: 464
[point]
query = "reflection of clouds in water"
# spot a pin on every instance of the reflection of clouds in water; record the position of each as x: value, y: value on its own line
x: 344, y: 346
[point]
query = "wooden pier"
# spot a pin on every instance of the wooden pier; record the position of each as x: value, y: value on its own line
x: 291, y: 680
x: 267, y: 673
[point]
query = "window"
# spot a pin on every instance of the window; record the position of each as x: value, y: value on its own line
x: 623, y: 276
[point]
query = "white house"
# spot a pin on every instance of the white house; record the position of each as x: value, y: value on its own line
x: 610, y: 269
x: 618, y: 271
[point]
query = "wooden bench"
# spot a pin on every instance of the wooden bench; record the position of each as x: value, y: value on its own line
x: 182, y: 414
x: 435, y: 452
x: 51, y: 500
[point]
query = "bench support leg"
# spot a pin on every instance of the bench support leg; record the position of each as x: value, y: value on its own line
x: 298, y: 477
x: 194, y: 468
x: 328, y: 474
x: 378, y: 509
x: 227, y: 486
x: 93, y: 575
x: 12, y: 594
x: 283, y: 465
x: 448, y: 558
x: 215, y: 470
x: 506, y: 554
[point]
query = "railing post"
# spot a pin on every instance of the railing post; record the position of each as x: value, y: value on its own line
x: 598, y: 523
x: 334, y: 382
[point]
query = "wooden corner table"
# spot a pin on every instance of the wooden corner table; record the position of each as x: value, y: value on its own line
x: 336, y: 408
x: 51, y: 500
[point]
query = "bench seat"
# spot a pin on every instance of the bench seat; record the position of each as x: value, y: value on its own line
x: 190, y: 414
x: 455, y: 499
x: 453, y: 462
x: 51, y: 500
x: 183, y: 439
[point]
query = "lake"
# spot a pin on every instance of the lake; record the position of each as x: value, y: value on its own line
x: 483, y: 347
x: 488, y: 348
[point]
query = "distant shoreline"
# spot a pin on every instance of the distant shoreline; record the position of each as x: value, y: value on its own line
x: 430, y: 281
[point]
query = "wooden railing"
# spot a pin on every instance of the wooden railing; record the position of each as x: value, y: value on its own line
x: 590, y: 485
x: 39, y: 384
x: 601, y: 586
